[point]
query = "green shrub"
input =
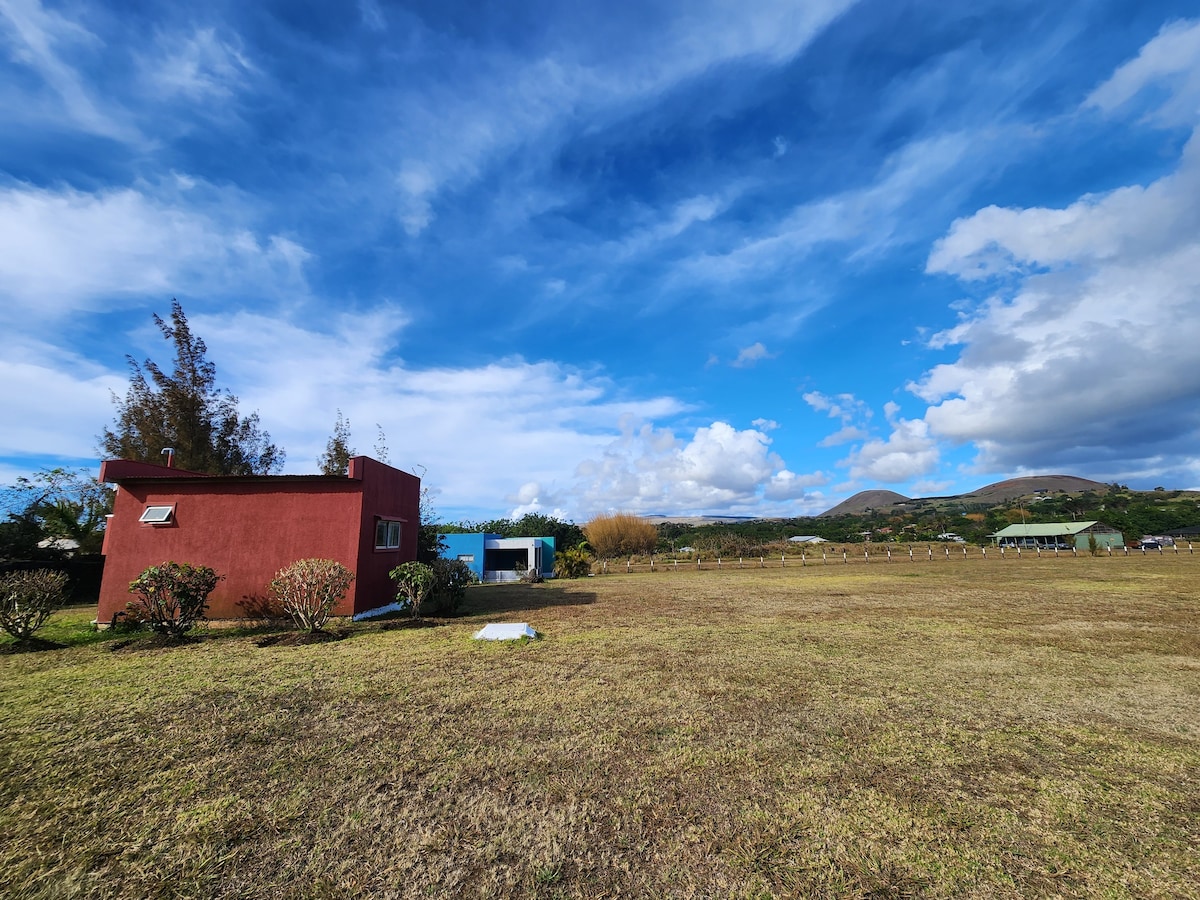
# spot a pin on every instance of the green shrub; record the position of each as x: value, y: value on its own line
x: 450, y: 580
x: 574, y: 562
x: 414, y: 581
x: 173, y: 597
x: 28, y: 598
x: 308, y: 589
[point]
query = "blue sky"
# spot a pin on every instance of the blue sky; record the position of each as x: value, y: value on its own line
x: 678, y: 258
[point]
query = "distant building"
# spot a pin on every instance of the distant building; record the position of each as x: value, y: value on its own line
x: 1060, y: 535
x: 808, y: 539
x: 494, y: 558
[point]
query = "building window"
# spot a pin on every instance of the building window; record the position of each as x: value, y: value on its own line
x: 157, y: 515
x: 466, y: 557
x: 387, y: 535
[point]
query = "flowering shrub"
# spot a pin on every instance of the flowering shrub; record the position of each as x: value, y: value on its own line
x: 28, y: 598
x: 414, y: 581
x: 172, y: 597
x: 309, y: 589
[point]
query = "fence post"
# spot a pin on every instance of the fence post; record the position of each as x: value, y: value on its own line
x: 947, y: 549
x: 783, y: 560
x: 761, y: 564
x: 985, y: 552
x: 718, y: 562
x: 676, y: 564
x: 824, y: 559
x: 866, y: 554
x: 803, y: 560
x: 889, y: 553
x: 844, y: 558
x: 964, y: 551
x: 739, y: 562
x: 628, y: 564
x: 930, y: 549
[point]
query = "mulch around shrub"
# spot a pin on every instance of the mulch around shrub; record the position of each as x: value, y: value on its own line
x: 300, y: 638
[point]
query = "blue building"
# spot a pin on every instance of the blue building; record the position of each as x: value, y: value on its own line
x: 494, y: 558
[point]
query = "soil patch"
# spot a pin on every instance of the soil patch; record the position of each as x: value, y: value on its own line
x: 33, y: 645
x: 396, y: 624
x: 300, y: 638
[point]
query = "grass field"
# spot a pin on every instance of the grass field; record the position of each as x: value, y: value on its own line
x: 969, y: 729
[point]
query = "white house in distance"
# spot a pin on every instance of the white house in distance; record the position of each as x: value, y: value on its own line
x: 807, y: 539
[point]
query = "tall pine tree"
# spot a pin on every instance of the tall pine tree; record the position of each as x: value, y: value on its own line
x: 186, y: 411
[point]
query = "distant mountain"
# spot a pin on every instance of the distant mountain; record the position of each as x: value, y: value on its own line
x: 863, y: 501
x: 1032, y: 484
x: 999, y: 492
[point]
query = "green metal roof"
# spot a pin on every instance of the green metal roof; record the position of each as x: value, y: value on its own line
x: 1044, y: 529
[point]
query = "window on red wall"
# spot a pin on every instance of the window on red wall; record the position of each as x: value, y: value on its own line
x: 387, y: 535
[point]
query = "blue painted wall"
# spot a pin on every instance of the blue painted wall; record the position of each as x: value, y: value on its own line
x: 459, y: 545
x: 472, y: 549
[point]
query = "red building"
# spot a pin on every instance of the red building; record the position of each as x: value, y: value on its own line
x: 247, y: 528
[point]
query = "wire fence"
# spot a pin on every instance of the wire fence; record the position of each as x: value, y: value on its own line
x: 873, y: 554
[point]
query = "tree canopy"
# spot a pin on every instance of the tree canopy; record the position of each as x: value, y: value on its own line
x: 184, y: 410
x: 338, y: 452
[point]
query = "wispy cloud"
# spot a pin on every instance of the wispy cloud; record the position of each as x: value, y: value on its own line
x: 43, y: 40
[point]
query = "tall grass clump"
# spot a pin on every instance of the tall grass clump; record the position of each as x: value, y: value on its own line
x: 620, y: 534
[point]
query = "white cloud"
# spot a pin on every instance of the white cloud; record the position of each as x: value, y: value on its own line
x: 200, y: 66
x: 43, y: 40
x: 1172, y: 56
x: 371, y: 15
x: 719, y: 467
x: 500, y: 103
x: 1085, y: 357
x: 869, y: 217
x: 53, y: 403
x: 748, y: 356
x: 67, y: 249
x: 909, y: 452
x: 493, y: 434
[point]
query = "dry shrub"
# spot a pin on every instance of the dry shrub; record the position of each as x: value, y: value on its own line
x: 620, y: 534
x: 308, y: 590
x: 28, y: 598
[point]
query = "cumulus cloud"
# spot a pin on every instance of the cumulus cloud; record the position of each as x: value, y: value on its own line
x: 909, y: 452
x: 718, y: 467
x: 853, y: 413
x: 1083, y: 356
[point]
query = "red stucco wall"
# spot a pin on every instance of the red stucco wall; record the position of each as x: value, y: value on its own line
x: 248, y: 528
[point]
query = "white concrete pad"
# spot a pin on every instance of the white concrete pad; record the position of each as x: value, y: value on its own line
x: 504, y: 631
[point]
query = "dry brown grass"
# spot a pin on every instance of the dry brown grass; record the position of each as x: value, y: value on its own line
x: 973, y: 730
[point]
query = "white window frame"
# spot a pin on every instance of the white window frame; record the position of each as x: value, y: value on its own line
x: 158, y: 514
x: 389, y: 526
